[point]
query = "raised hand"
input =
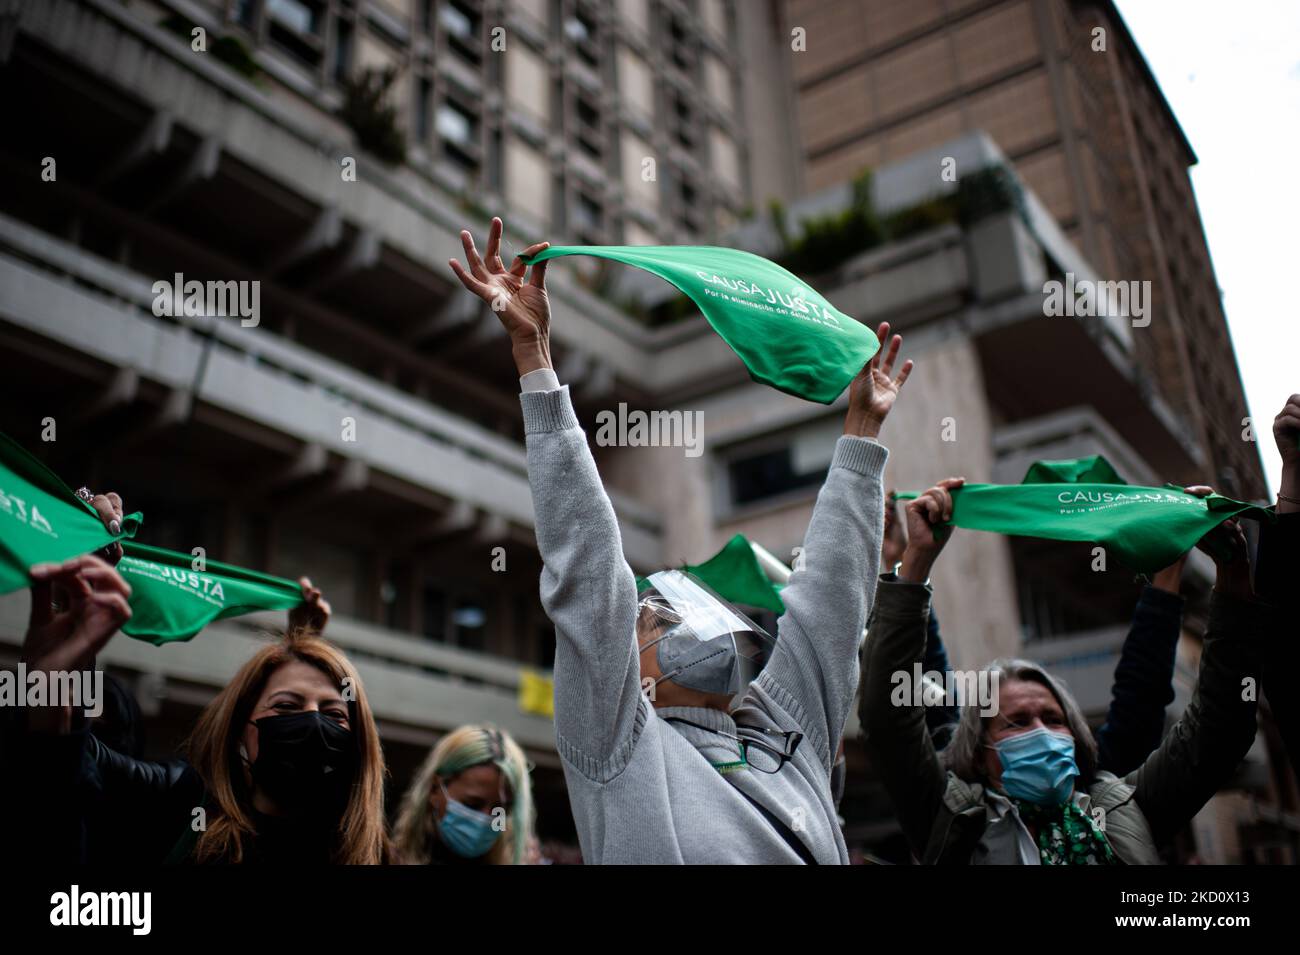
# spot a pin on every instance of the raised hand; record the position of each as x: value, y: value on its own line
x: 1227, y: 546
x: 874, y: 390
x: 110, y: 510
x: 520, y: 304
x: 895, y: 539
x: 927, y: 529
x: 1286, y: 432
x: 313, y: 614
x: 92, y: 607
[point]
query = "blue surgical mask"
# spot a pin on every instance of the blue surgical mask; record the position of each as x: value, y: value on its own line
x: 1038, y: 766
x: 465, y: 831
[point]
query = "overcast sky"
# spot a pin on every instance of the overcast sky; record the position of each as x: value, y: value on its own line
x: 1231, y: 71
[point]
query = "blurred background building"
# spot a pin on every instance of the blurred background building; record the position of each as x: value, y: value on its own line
x: 929, y: 162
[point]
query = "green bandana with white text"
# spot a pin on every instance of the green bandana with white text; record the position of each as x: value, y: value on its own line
x: 1146, y: 528
x: 42, y: 520
x: 171, y: 600
x: 787, y: 335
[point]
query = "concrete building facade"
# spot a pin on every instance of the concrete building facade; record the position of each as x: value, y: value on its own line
x: 1064, y: 91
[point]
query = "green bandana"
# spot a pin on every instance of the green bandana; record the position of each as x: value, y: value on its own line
x: 1147, y: 528
x: 1090, y: 470
x: 735, y: 575
x: 171, y: 601
x: 787, y: 335
x: 42, y: 520
x: 1066, y: 835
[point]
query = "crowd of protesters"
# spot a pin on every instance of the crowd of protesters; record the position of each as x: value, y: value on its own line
x: 687, y: 734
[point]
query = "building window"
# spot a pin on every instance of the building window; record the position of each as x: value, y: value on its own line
x: 455, y: 125
x: 681, y: 43
x: 423, y: 102
x: 580, y: 28
x: 295, y: 27
x: 769, y: 474
x: 470, y: 620
x: 434, y: 611
x: 587, y: 116
x: 295, y: 15
x: 342, y: 51
x: 683, y: 121
x: 688, y: 194
x: 692, y: 216
x: 461, y: 24
x: 587, y: 215
x: 245, y: 14
x: 458, y: 129
x: 496, y: 161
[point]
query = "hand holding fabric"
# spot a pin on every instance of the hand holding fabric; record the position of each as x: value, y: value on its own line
x: 1286, y: 432
x: 1227, y: 547
x: 313, y: 613
x: 522, y: 306
x: 895, y: 543
x: 927, y: 529
x: 110, y: 510
x: 92, y: 605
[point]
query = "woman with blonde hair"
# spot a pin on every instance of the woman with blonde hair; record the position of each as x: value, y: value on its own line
x: 471, y: 803
x: 285, y: 763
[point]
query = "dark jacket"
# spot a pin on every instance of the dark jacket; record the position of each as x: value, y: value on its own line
x: 950, y: 820
x: 1144, y: 684
x: 1277, y: 582
x: 66, y: 786
x: 71, y: 786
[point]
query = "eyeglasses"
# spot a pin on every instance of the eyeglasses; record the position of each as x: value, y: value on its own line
x: 765, y: 750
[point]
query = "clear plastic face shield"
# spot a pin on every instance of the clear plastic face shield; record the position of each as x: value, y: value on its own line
x: 701, y: 642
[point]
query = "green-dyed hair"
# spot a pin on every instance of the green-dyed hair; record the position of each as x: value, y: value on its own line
x: 464, y: 748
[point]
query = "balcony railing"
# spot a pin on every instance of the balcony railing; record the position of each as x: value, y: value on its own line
x: 264, y: 377
x: 408, y: 681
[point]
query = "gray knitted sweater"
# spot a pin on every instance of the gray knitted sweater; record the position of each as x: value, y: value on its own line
x: 645, y: 790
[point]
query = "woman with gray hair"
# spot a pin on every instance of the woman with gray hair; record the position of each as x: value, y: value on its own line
x: 1019, y: 782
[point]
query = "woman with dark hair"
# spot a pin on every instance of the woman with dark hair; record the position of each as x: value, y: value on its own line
x: 1019, y: 782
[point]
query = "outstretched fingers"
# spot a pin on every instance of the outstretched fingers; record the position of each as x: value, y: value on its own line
x: 493, y: 255
x: 471, y: 256
x: 469, y: 281
x: 891, y: 355
x: 903, y: 373
x: 882, y: 336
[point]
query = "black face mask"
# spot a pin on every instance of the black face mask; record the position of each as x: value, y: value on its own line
x: 306, y: 763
